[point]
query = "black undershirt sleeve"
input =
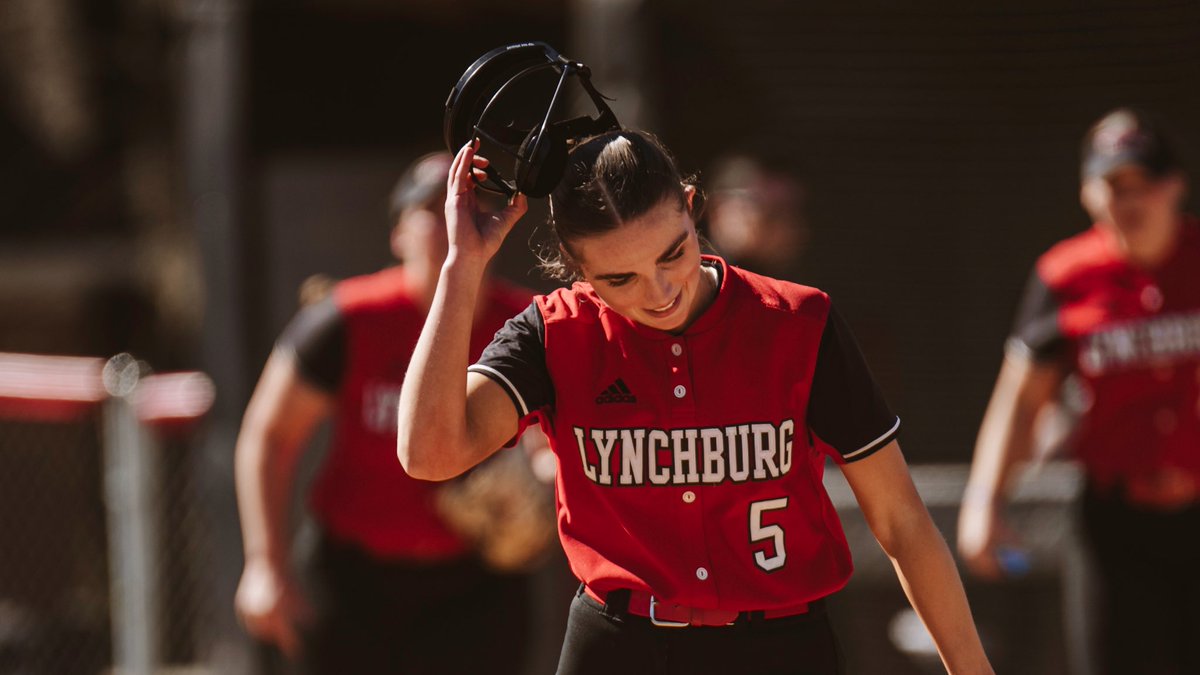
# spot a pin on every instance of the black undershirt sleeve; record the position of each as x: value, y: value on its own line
x: 1036, y: 331
x: 317, y: 337
x: 846, y: 408
x: 516, y: 360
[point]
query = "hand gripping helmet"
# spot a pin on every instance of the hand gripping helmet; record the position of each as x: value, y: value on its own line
x: 516, y: 100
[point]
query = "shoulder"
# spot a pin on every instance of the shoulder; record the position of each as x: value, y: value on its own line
x: 383, y: 290
x: 1075, y: 257
x: 576, y: 303
x: 776, y: 295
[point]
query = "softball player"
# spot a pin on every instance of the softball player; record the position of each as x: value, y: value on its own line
x: 389, y: 581
x: 685, y: 399
x: 1118, y: 307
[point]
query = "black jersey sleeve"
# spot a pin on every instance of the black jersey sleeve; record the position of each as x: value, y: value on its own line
x: 846, y: 408
x: 516, y: 360
x: 1036, y: 332
x: 317, y: 337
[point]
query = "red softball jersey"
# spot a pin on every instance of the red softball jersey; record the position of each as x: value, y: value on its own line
x: 356, y: 345
x: 687, y: 462
x: 1133, y: 337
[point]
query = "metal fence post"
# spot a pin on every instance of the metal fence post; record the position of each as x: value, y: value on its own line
x: 130, y: 479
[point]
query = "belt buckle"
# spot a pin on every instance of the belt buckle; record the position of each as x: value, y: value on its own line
x: 663, y: 623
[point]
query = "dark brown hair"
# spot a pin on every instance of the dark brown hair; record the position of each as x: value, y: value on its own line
x: 610, y: 178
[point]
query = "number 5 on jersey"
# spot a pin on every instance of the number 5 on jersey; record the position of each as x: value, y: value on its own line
x: 760, y: 532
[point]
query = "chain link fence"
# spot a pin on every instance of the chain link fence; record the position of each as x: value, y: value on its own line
x: 54, y: 594
x: 72, y: 578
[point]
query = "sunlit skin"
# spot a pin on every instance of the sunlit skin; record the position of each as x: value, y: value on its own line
x: 648, y: 269
x: 1140, y: 209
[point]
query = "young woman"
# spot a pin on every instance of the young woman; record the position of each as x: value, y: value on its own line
x: 1117, y: 307
x: 685, y: 400
x: 389, y: 581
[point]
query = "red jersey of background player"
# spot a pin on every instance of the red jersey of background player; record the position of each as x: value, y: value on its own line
x: 357, y: 343
x: 1133, y: 336
x: 687, y: 465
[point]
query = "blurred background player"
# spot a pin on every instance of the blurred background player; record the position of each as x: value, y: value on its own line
x: 389, y: 586
x: 756, y: 216
x: 1118, y: 308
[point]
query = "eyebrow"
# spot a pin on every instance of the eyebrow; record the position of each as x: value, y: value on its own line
x: 662, y: 258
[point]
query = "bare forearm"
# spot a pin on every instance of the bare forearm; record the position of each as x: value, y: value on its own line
x: 1006, y: 435
x: 264, y: 481
x: 433, y: 435
x: 1005, y: 441
x: 930, y: 580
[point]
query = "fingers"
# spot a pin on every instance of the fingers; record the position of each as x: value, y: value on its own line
x: 459, y: 181
x: 518, y: 205
x: 466, y: 170
x: 984, y: 565
x: 980, y: 531
x: 516, y: 208
x: 272, y: 608
x: 281, y: 626
x: 478, y: 164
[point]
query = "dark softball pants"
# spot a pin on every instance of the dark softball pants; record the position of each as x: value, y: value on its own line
x: 450, y: 618
x: 601, y: 642
x: 1148, y: 568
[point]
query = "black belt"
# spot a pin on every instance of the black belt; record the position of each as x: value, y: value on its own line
x: 626, y: 603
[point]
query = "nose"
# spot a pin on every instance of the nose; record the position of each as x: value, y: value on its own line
x: 662, y: 290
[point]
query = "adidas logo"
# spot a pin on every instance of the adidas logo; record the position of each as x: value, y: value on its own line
x: 617, y: 392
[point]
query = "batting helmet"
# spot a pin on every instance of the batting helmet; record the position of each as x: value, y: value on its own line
x: 512, y: 99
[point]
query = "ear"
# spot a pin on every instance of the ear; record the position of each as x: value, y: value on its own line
x: 1091, y: 196
x: 689, y: 192
x: 396, y: 240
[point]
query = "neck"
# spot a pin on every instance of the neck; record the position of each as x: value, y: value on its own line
x: 1152, y: 245
x: 422, y: 278
x: 709, y: 281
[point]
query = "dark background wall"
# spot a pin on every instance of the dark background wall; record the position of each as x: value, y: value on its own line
x: 339, y: 100
x: 940, y: 146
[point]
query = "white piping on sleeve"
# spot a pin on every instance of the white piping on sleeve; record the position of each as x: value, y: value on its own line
x: 873, y: 443
x: 494, y: 374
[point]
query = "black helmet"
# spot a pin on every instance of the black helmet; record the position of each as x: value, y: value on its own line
x: 512, y: 99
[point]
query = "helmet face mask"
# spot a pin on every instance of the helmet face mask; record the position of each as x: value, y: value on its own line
x: 516, y: 100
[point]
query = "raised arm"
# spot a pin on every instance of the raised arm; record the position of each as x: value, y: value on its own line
x: 902, y: 525
x: 1023, y: 389
x: 450, y: 421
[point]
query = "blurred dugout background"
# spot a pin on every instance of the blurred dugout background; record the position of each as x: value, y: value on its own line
x: 171, y: 170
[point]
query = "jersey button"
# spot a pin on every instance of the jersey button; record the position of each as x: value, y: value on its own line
x: 689, y: 497
x: 680, y: 391
x: 701, y: 573
x: 1152, y: 298
x: 676, y: 349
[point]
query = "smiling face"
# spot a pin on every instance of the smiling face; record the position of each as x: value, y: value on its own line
x: 648, y: 268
